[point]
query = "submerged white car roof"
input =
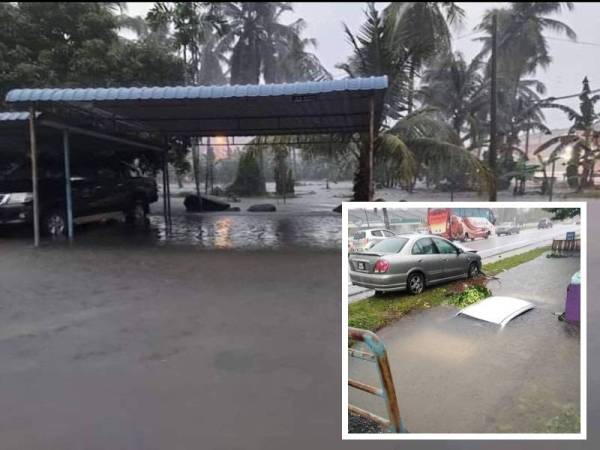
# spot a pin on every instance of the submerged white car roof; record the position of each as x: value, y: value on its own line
x: 498, y: 310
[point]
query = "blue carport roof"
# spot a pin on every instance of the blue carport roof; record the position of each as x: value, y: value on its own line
x: 296, y: 108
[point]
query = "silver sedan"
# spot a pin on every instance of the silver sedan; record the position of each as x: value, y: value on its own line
x: 412, y: 262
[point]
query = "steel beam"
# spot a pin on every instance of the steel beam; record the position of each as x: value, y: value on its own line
x: 68, y: 191
x: 34, y: 177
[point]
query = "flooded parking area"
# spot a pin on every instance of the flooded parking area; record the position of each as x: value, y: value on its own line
x: 455, y: 374
x: 226, y: 231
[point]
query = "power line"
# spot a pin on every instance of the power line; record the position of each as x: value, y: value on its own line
x: 568, y: 41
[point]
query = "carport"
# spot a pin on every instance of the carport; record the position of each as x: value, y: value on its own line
x: 16, y: 136
x: 150, y: 116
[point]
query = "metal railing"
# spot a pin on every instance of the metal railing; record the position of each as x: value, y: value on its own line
x: 564, y: 247
x: 387, y: 392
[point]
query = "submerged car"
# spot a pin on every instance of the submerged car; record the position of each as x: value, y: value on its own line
x: 412, y: 262
x: 507, y: 228
x: 365, y: 239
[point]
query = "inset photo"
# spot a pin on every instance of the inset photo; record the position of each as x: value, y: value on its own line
x: 464, y: 320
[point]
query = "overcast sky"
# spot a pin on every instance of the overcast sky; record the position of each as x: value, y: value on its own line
x: 571, y: 61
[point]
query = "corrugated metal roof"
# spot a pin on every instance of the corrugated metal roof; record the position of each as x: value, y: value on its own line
x: 197, y: 92
x: 13, y: 116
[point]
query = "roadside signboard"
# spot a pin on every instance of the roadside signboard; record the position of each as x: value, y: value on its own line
x: 570, y: 235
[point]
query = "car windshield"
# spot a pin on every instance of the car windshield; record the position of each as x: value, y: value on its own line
x: 392, y: 245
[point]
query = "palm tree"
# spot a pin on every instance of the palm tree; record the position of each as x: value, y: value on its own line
x: 580, y: 137
x: 422, y: 29
x: 406, y: 144
x: 458, y: 90
x: 521, y: 48
x: 263, y: 48
x: 522, y: 45
x: 195, y: 25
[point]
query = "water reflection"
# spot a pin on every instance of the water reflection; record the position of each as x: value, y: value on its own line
x: 316, y: 230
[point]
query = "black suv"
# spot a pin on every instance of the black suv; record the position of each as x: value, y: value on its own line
x: 95, y: 191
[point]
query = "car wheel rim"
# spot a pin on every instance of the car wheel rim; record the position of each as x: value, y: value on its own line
x: 473, y: 272
x: 416, y: 284
x: 56, y: 225
x: 139, y: 211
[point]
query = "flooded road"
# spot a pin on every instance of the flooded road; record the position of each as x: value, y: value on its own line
x: 459, y: 375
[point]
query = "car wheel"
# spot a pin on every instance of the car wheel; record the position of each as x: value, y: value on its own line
x: 473, y: 270
x: 53, y: 223
x: 415, y: 283
x: 137, y: 214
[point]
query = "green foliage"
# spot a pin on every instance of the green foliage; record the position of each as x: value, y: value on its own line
x: 74, y: 45
x: 563, y: 213
x: 249, y: 180
x: 471, y: 295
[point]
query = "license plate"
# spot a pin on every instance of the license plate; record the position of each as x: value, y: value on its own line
x: 361, y: 265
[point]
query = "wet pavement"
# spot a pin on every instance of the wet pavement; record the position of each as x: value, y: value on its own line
x: 165, y: 347
x: 459, y: 375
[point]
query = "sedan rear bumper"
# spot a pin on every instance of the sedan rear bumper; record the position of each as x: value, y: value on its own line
x: 378, y: 282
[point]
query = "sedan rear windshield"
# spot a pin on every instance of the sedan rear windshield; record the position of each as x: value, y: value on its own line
x: 393, y: 245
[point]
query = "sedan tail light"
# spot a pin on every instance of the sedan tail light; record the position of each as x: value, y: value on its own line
x: 381, y: 266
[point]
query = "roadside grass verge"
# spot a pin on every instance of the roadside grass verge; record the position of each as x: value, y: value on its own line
x: 512, y: 261
x: 374, y: 313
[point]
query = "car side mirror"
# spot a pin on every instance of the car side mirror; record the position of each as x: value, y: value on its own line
x: 459, y: 251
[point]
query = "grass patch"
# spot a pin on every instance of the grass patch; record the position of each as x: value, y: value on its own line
x: 374, y: 313
x: 513, y: 261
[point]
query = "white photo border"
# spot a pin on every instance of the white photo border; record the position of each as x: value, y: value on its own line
x: 582, y: 435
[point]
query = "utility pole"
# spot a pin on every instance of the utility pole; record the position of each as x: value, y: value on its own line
x: 386, y: 219
x: 492, y: 152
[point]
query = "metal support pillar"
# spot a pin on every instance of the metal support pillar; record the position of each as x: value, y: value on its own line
x: 552, y: 179
x: 68, y: 191
x: 34, y: 177
x: 168, y: 185
x: 165, y: 194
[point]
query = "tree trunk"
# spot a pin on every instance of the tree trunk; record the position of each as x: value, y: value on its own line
x: 411, y: 87
x: 361, y: 177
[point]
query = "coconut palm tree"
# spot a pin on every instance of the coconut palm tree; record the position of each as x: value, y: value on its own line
x: 264, y: 48
x: 195, y: 25
x: 422, y: 29
x: 407, y: 144
x: 580, y: 137
x: 458, y: 90
x: 522, y: 45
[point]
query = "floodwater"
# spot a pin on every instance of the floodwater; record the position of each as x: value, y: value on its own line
x: 231, y: 230
x: 245, y: 231
x: 460, y: 375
